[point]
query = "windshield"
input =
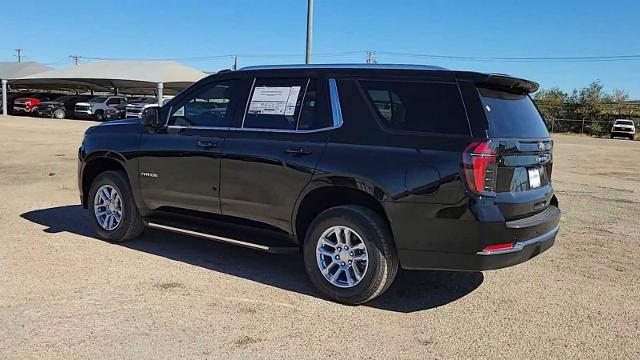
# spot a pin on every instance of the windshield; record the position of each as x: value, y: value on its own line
x: 149, y: 101
x: 98, y: 99
x: 512, y: 115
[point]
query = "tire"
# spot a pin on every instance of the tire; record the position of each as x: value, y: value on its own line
x: 130, y: 224
x: 371, y: 230
x: 99, y: 115
x: 59, y: 114
x: 612, y: 136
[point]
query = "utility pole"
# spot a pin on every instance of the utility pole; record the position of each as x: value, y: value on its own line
x: 19, y: 54
x: 235, y: 62
x: 309, y: 31
x: 76, y: 59
x: 371, y: 57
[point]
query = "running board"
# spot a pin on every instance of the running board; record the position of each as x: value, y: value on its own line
x: 269, y: 244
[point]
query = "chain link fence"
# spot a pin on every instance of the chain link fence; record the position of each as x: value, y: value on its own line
x: 584, y: 126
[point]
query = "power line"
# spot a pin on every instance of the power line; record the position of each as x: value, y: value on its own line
x: 518, y: 59
x: 225, y: 56
x: 371, y: 57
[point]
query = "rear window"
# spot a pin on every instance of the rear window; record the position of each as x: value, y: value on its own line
x: 512, y: 115
x: 624, y: 122
x: 418, y: 106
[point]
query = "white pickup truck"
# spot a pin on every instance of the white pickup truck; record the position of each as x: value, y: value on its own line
x: 623, y: 128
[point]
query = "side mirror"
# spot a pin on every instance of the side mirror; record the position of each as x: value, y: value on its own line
x: 151, y: 117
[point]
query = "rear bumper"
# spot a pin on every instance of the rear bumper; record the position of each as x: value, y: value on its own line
x: 523, y: 251
x: 622, y: 133
x: 529, y: 237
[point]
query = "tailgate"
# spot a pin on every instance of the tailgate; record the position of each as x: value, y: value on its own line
x: 521, y: 179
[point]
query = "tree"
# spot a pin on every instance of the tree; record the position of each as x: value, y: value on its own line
x: 590, y: 100
x: 551, y: 103
x: 619, y: 96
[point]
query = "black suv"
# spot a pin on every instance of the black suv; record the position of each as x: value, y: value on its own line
x: 364, y: 168
x: 60, y: 107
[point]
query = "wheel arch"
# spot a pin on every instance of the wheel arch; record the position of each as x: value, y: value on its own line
x: 330, y: 192
x: 97, y: 163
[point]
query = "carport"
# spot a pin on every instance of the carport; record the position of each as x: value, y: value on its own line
x: 128, y: 77
x: 13, y: 70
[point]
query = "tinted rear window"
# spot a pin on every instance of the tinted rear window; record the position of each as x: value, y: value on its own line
x: 624, y: 122
x: 512, y: 115
x: 418, y: 106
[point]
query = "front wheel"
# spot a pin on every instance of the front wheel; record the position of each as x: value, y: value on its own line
x: 112, y: 208
x: 59, y: 114
x: 349, y: 254
x: 99, y: 115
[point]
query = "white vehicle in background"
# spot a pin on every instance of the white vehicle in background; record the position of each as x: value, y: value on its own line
x: 134, y: 110
x: 97, y: 107
x: 623, y: 128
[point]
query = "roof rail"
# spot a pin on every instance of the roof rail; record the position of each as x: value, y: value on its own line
x: 344, y: 66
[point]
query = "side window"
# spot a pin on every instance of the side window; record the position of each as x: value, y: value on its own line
x: 113, y: 101
x: 310, y: 116
x: 206, y: 107
x: 418, y: 106
x: 276, y: 104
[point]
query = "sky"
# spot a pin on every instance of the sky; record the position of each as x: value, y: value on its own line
x: 203, y: 34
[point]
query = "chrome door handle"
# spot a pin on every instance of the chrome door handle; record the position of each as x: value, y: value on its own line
x: 298, y: 152
x: 207, y: 144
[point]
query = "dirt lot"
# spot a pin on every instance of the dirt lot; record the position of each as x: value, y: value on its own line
x: 66, y: 294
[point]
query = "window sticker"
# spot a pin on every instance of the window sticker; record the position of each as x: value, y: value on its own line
x: 274, y: 100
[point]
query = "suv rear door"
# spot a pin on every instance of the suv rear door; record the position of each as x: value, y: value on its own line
x: 274, y: 147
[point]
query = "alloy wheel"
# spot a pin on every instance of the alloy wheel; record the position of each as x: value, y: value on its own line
x: 342, y: 256
x: 107, y: 207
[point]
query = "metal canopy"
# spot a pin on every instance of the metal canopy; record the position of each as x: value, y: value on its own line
x: 135, y: 77
x: 12, y: 70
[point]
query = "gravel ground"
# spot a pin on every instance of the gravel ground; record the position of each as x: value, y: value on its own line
x: 66, y: 294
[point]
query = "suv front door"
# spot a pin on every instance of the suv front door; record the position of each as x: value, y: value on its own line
x: 180, y: 166
x: 273, y: 149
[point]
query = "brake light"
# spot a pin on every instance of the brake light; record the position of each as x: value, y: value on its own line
x: 480, y: 167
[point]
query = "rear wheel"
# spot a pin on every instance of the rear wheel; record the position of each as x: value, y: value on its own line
x: 349, y: 254
x: 59, y: 114
x: 112, y: 208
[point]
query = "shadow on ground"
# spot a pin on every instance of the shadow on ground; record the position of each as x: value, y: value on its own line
x: 412, y: 290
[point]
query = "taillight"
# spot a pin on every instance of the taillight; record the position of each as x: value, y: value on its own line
x: 480, y: 167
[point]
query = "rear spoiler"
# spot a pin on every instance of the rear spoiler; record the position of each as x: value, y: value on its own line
x: 500, y: 82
